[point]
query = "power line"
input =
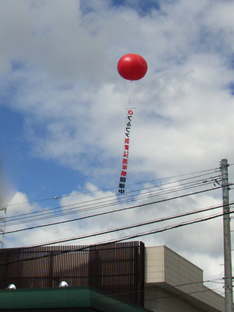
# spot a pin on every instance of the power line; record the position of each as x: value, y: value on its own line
x: 130, y: 227
x: 132, y: 236
x: 23, y: 218
x: 107, y: 212
x: 212, y: 170
x: 122, y: 199
x: 73, y: 210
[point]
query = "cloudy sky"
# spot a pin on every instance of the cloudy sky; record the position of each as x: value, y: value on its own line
x: 63, y: 112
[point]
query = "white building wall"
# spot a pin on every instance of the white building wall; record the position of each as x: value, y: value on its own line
x: 179, y: 283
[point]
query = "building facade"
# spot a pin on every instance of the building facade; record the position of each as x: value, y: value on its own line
x: 154, y: 278
x: 172, y: 283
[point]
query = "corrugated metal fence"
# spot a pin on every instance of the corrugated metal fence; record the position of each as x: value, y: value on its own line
x: 116, y: 269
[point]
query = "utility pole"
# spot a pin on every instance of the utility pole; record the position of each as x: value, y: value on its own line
x: 227, y: 238
x: 2, y: 225
x: 2, y: 212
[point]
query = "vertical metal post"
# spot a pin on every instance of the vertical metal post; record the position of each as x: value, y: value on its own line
x: 2, y: 225
x: 227, y: 238
x: 2, y: 212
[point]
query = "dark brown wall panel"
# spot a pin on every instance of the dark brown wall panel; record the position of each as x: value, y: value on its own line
x: 117, y: 269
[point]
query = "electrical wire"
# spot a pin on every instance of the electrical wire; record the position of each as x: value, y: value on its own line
x: 211, y: 180
x: 94, y: 200
x: 90, y: 207
x: 131, y: 227
x: 108, y: 212
x: 206, y: 171
x: 103, y: 203
x: 113, y: 241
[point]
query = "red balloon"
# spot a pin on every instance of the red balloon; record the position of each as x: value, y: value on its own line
x: 132, y: 67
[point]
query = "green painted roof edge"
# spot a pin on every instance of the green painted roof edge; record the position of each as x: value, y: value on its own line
x: 40, y: 298
x: 63, y: 297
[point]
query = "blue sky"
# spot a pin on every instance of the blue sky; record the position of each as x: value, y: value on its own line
x: 63, y: 109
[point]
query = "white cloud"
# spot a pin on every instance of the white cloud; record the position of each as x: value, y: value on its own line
x: 19, y: 206
x: 14, y: 208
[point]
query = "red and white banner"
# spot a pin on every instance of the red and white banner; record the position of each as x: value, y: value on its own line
x: 123, y: 175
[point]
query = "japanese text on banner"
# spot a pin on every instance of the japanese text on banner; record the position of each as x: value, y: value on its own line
x: 123, y: 175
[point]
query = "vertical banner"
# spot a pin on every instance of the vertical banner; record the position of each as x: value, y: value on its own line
x: 123, y: 174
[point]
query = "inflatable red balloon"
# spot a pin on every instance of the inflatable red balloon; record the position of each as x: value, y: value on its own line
x: 132, y: 67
